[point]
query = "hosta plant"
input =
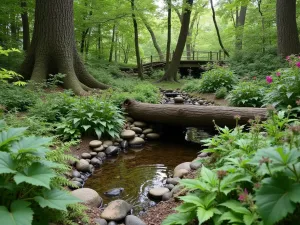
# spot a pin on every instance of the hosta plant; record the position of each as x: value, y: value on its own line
x: 30, y: 182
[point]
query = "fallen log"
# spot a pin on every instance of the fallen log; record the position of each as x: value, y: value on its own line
x: 191, y: 115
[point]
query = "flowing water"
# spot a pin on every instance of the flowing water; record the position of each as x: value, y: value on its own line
x: 138, y: 170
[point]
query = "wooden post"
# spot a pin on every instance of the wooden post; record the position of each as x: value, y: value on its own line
x: 197, y: 55
x: 151, y: 59
x: 210, y: 55
x: 217, y: 56
x: 220, y: 55
x: 193, y: 55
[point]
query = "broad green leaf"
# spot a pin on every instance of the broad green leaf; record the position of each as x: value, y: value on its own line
x: 228, y: 183
x: 193, y: 199
x: 204, y: 215
x: 208, y: 199
x: 2, y: 124
x: 56, y: 199
x: 86, y: 127
x: 249, y: 219
x: 6, y: 185
x: 75, y: 120
x: 7, y: 165
x: 208, y: 176
x: 19, y: 214
x: 186, y: 207
x: 11, y: 134
x: 236, y: 207
x: 231, y: 217
x: 276, y: 198
x: 179, y: 219
x: 98, y: 133
x: 37, y: 174
x: 194, y: 184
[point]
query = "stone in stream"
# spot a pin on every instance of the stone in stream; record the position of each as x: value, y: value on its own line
x: 112, y: 223
x: 128, y: 134
x: 196, y: 164
x: 112, y: 150
x: 76, y: 185
x: 158, y: 192
x: 153, y: 136
x: 101, y: 155
x: 133, y: 220
x: 75, y: 173
x: 114, y: 192
x: 86, y: 155
x: 100, y: 221
x: 140, y: 124
x: 173, y: 181
x: 137, y: 141
x: 129, y: 119
x: 147, y: 131
x: 180, y: 173
x: 185, y: 165
x: 95, y: 143
x: 77, y: 179
x: 116, y: 210
x: 203, y: 155
x: 137, y: 130
x: 83, y: 165
x: 108, y: 143
x: 169, y: 186
x: 88, y: 196
x: 178, y: 100
x: 99, y: 149
x: 124, y: 144
x: 96, y: 162
x: 167, y: 196
x: 93, y: 154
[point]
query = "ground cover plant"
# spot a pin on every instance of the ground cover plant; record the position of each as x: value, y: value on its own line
x: 252, y: 176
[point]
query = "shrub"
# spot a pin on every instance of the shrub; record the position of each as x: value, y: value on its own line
x: 192, y: 86
x: 247, y: 94
x: 15, y: 97
x: 91, y: 116
x: 221, y: 93
x: 31, y: 179
x: 157, y: 74
x: 216, y: 78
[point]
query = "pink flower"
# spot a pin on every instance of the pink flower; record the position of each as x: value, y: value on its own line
x: 243, y: 196
x: 288, y: 58
x: 269, y: 79
x: 298, y: 64
x: 254, y: 78
x: 278, y: 74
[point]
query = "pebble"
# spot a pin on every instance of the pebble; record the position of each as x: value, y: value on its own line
x: 137, y: 141
x: 178, y: 100
x: 167, y: 196
x: 99, y: 149
x: 133, y: 220
x: 158, y: 192
x: 147, y: 131
x: 173, y: 181
x: 140, y: 124
x: 116, y: 210
x: 75, y: 173
x: 100, y: 221
x: 153, y: 136
x: 86, y: 155
x: 128, y: 134
x: 203, y: 155
x: 88, y: 196
x: 95, y: 143
x: 137, y: 130
x: 83, y: 165
x: 108, y: 143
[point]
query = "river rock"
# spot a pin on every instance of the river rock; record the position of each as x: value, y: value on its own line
x: 178, y: 100
x: 96, y: 162
x: 99, y: 149
x: 92, y: 168
x: 80, y: 180
x: 133, y: 220
x: 158, y: 192
x: 95, y: 143
x: 142, y: 136
x: 203, y: 155
x: 114, y: 192
x: 101, y: 155
x: 137, y: 130
x: 177, y: 189
x: 124, y: 144
x: 140, y: 124
x: 137, y: 141
x: 112, y: 150
x: 83, y: 165
x: 86, y: 155
x: 170, y: 186
x: 93, y: 154
x: 75, y: 173
x: 108, y: 143
x: 88, y: 196
x: 76, y: 184
x: 180, y: 173
x: 185, y: 165
x: 173, y: 181
x: 116, y: 210
x: 112, y: 223
x: 100, y: 221
x: 153, y: 136
x: 196, y: 164
x: 147, y: 131
x: 129, y: 119
x: 128, y: 134
x: 167, y: 196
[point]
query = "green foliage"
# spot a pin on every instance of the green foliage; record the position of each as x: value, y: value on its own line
x: 17, y: 98
x: 216, y: 78
x: 27, y: 179
x: 91, y: 116
x: 192, y: 86
x: 221, y: 93
x: 247, y: 94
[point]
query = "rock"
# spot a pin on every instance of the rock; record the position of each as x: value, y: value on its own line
x: 178, y: 100
x: 158, y: 192
x: 76, y: 184
x: 99, y: 149
x: 100, y: 221
x: 170, y: 186
x: 116, y: 210
x: 177, y: 189
x: 92, y: 168
x: 86, y: 155
x: 124, y: 144
x: 96, y: 162
x: 128, y: 134
x: 78, y: 179
x: 112, y: 223
x: 93, y: 154
x: 101, y: 155
x: 83, y: 165
x: 196, y: 164
x: 137, y: 141
x: 75, y: 173
x: 114, y: 192
x: 173, y: 181
x: 153, y: 136
x: 95, y: 143
x: 112, y: 150
x: 116, y: 144
x: 129, y: 119
x: 140, y: 124
x: 88, y: 196
x: 203, y: 155
x: 88, y: 160
x: 108, y: 143
x: 180, y: 173
x: 137, y: 130
x: 185, y: 165
x: 147, y: 131
x: 167, y: 196
x: 133, y: 220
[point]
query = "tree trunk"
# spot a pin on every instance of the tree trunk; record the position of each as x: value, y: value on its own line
x: 217, y: 28
x: 169, y: 2
x: 25, y: 25
x: 53, y: 48
x: 240, y: 22
x: 136, y: 42
x: 112, y: 43
x: 116, y: 44
x: 191, y: 115
x: 262, y: 26
x: 171, y: 73
x: 99, y: 42
x: 189, y: 48
x: 83, y: 39
x: 287, y: 32
x: 196, y: 35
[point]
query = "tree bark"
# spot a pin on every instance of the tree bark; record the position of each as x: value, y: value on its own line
x: 189, y: 47
x: 262, y: 26
x: 287, y: 32
x: 217, y: 28
x: 112, y: 43
x: 169, y: 39
x: 170, y: 74
x: 83, y: 40
x: 53, y: 48
x: 239, y: 29
x: 25, y: 25
x: 191, y: 115
x: 136, y: 42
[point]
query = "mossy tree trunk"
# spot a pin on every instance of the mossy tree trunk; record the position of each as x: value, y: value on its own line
x: 53, y: 49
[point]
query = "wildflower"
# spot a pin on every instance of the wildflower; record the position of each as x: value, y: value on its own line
x: 264, y: 160
x: 254, y: 78
x: 298, y: 64
x: 243, y: 197
x: 269, y: 79
x: 295, y: 129
x: 237, y: 117
x: 257, y: 185
x: 288, y: 58
x: 298, y: 102
x: 278, y: 74
x: 221, y: 174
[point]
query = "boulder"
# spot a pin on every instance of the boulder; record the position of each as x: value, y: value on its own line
x: 108, y: 143
x: 178, y: 100
x: 153, y: 136
x: 133, y: 220
x: 128, y: 134
x: 116, y: 210
x: 147, y: 131
x: 167, y: 196
x: 99, y: 149
x: 137, y: 141
x: 137, y: 130
x: 158, y: 192
x: 185, y: 165
x: 173, y: 181
x: 100, y: 221
x: 83, y: 165
x: 140, y: 124
x: 112, y: 150
x: 180, y: 173
x: 88, y: 196
x: 95, y: 143
x: 86, y: 155
x: 196, y: 164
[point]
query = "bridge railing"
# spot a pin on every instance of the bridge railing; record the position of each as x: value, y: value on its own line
x: 189, y: 56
